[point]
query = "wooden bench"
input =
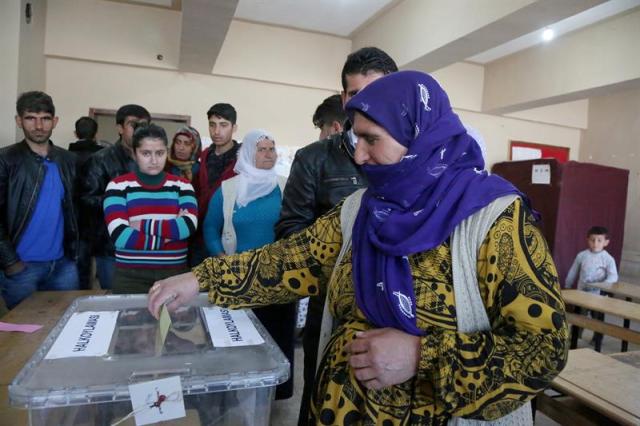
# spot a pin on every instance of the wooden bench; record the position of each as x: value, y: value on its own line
x: 622, y: 289
x: 566, y: 410
x: 607, y: 329
x: 630, y: 292
x: 602, y: 304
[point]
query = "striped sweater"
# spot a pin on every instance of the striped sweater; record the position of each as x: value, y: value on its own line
x: 162, y: 240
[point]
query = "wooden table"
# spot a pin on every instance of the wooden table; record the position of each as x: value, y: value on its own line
x: 602, y: 383
x: 44, y: 308
x: 632, y: 358
x: 606, y: 305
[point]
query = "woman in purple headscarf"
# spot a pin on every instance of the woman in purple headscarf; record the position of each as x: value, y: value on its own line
x: 445, y: 300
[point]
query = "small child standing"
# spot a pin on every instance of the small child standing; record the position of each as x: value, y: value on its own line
x: 593, y: 265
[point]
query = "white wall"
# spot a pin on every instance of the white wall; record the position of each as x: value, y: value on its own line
x: 78, y: 85
x: 113, y: 32
x: 499, y: 131
x: 575, y: 66
x: 613, y: 139
x: 10, y: 16
x: 557, y: 125
x: 31, y: 61
x: 275, y: 77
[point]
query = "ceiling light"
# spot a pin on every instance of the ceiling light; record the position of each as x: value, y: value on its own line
x: 548, y: 34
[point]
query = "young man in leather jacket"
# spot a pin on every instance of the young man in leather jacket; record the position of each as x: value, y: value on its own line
x: 322, y: 174
x: 38, y: 216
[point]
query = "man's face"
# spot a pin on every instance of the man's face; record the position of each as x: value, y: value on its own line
x: 357, y: 82
x: 221, y: 130
x: 37, y: 126
x: 597, y: 243
x: 126, y: 130
x: 328, y: 129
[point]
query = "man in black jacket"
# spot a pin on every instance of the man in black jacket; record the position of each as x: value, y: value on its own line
x: 38, y: 219
x: 322, y: 174
x: 99, y: 170
x: 86, y: 130
x: 330, y: 117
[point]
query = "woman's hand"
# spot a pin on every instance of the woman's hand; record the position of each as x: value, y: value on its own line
x: 175, y: 291
x: 384, y: 357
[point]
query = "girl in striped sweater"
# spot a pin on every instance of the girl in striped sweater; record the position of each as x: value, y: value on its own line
x: 150, y: 216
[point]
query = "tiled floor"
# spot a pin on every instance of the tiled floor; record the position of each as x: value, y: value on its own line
x: 285, y: 413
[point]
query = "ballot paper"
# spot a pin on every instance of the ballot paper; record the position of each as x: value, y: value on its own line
x: 231, y: 328
x: 85, y: 334
x: 164, y: 324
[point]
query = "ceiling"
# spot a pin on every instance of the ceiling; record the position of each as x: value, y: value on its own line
x: 575, y: 22
x: 344, y: 17
x: 337, y: 17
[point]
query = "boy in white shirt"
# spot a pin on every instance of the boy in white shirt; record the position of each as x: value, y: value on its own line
x: 593, y: 265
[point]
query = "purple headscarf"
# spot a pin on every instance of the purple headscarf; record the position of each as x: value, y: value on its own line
x: 413, y: 205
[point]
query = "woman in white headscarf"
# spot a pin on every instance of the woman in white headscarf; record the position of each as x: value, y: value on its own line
x: 241, y: 216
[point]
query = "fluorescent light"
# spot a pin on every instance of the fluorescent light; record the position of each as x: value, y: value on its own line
x: 548, y: 34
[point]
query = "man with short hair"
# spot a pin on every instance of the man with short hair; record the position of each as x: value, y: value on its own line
x: 219, y: 159
x: 99, y: 170
x: 38, y: 227
x: 86, y: 130
x: 330, y: 117
x: 216, y: 165
x: 322, y: 174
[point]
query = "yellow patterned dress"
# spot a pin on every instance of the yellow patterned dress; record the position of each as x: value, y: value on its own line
x: 480, y: 375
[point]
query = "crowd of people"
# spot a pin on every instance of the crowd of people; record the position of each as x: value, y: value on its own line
x: 434, y: 297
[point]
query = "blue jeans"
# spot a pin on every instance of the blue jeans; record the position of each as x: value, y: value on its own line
x: 105, y: 268
x: 60, y: 274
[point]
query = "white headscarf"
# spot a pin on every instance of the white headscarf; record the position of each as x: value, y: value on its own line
x: 253, y: 183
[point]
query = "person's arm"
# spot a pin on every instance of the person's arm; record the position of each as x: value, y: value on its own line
x: 181, y: 227
x: 280, y: 272
x: 612, y: 270
x: 9, y: 261
x: 93, y: 183
x: 123, y: 234
x: 572, y: 275
x: 299, y: 198
x: 213, y: 222
x: 528, y: 342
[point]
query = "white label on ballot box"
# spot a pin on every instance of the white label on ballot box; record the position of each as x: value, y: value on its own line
x: 231, y: 328
x: 85, y: 334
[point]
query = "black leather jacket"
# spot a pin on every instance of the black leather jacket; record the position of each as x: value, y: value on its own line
x: 100, y: 168
x: 322, y: 174
x: 21, y: 177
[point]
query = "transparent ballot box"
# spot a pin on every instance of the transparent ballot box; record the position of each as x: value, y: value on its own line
x: 221, y: 384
